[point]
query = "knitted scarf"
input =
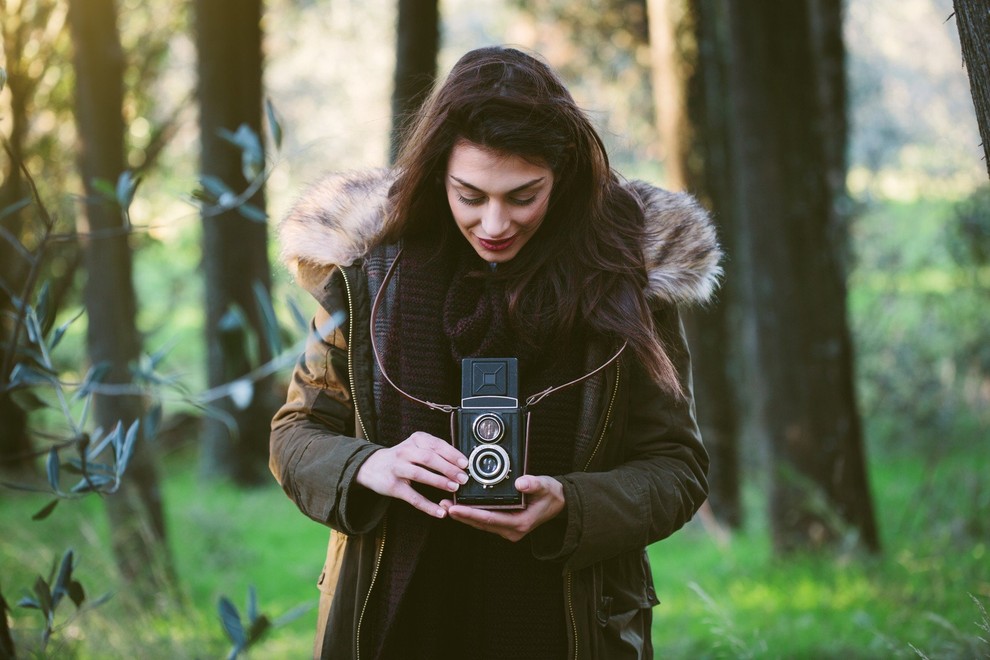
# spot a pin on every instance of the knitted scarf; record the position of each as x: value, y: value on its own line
x: 444, y: 588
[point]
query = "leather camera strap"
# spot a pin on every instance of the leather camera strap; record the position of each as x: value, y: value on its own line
x: 532, y: 400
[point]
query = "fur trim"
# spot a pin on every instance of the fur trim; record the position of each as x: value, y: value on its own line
x: 335, y: 222
x: 682, y: 251
x: 338, y: 219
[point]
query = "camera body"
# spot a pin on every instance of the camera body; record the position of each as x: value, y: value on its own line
x: 491, y: 430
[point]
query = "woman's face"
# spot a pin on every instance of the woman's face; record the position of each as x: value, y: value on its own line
x: 498, y: 200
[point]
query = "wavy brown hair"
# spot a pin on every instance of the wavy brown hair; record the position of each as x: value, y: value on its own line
x: 585, y: 264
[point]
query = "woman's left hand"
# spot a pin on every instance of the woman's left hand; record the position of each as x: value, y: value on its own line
x: 544, y: 501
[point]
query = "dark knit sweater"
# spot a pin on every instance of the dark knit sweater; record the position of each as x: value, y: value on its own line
x: 445, y: 589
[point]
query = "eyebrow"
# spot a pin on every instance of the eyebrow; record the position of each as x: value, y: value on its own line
x: 524, y: 186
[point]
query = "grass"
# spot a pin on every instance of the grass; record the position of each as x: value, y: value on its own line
x: 917, y: 595
x: 736, y: 601
x: 224, y: 540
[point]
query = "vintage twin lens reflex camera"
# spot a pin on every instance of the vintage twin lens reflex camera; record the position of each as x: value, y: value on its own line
x: 491, y: 432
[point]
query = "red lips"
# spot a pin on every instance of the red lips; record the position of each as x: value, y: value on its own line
x: 497, y: 246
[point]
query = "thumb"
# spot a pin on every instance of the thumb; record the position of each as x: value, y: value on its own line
x: 529, y: 484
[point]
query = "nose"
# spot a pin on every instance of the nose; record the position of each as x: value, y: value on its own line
x: 495, y: 220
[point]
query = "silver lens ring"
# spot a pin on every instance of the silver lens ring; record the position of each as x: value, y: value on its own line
x: 488, y: 464
x: 488, y: 428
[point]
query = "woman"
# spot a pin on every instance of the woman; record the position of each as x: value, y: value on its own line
x: 501, y: 233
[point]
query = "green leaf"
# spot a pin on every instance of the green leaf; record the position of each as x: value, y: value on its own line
x: 152, y: 420
x: 11, y: 209
x: 269, y: 322
x: 252, y: 604
x: 293, y: 614
x: 46, y: 510
x: 252, y: 212
x: 214, y: 186
x: 25, y: 376
x: 63, y: 579
x: 127, y: 449
x: 94, y: 483
x: 252, y: 153
x: 93, y: 377
x: 274, y: 126
x: 76, y: 593
x: 105, y: 189
x: 60, y: 330
x: 232, y: 321
x: 127, y: 185
x: 44, y: 595
x: 29, y: 603
x: 101, y: 444
x: 258, y: 628
x: 231, y: 620
x: 297, y: 315
x: 76, y: 466
x: 45, y: 310
x: 52, y: 466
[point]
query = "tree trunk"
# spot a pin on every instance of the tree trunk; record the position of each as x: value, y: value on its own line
x: 692, y: 105
x: 973, y: 22
x: 789, y: 160
x: 235, y: 249
x: 417, y: 44
x: 15, y: 443
x: 135, y: 511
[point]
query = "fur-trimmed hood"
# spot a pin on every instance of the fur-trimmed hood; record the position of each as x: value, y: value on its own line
x: 338, y: 219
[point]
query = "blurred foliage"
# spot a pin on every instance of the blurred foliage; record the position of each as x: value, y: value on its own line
x: 918, y: 316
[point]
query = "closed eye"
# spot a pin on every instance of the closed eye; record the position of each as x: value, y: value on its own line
x: 470, y: 201
x: 523, y: 202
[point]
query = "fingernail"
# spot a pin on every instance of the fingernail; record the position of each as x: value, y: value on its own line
x: 462, y: 463
x: 440, y: 512
x: 462, y: 477
x: 451, y: 485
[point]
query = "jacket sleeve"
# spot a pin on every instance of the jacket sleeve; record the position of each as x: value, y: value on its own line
x: 658, y: 482
x: 314, y: 453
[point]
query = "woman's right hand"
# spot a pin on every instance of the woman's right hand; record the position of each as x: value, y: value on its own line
x: 420, y: 458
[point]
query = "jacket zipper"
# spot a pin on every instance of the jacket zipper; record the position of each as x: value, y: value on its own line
x: 360, y: 421
x: 350, y: 352
x: 570, y: 574
x: 367, y: 598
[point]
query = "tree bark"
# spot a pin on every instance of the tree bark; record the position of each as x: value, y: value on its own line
x: 789, y: 161
x: 15, y: 443
x: 692, y: 105
x: 973, y: 23
x: 135, y: 511
x: 235, y: 249
x: 417, y: 44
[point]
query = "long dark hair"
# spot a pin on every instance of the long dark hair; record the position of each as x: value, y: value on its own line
x: 585, y: 264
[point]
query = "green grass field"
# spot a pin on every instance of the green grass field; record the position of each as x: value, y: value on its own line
x: 920, y: 596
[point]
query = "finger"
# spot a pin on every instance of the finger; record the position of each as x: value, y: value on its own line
x: 441, y: 447
x: 483, y: 517
x: 410, y: 472
x: 424, y: 458
x: 407, y: 494
x: 529, y: 484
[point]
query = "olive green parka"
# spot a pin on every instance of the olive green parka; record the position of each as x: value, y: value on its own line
x: 639, y: 467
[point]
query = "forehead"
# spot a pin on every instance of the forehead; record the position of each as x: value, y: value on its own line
x: 483, y: 167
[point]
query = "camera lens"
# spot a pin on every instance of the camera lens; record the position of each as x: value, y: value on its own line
x: 488, y: 428
x: 488, y: 464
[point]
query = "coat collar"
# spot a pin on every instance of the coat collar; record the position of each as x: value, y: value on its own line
x: 339, y: 218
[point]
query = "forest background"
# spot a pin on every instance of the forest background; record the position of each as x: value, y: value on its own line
x: 906, y: 579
